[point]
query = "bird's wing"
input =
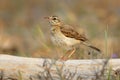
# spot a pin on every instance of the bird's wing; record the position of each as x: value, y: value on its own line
x: 68, y: 31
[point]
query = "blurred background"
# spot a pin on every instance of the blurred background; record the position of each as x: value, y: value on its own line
x: 24, y: 32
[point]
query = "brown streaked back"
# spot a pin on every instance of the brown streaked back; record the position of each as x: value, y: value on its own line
x: 68, y: 31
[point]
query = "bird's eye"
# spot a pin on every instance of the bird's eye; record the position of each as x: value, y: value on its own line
x: 54, y: 18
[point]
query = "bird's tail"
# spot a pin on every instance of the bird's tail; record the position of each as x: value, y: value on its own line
x: 95, y: 48
x: 92, y: 47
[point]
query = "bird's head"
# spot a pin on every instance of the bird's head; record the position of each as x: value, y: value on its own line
x: 54, y: 20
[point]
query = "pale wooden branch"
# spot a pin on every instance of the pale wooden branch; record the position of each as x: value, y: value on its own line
x: 22, y: 68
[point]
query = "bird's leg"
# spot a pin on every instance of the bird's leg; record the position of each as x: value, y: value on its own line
x: 73, y: 51
x: 63, y: 57
x: 70, y: 52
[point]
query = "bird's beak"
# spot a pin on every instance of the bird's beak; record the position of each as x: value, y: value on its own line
x: 47, y: 18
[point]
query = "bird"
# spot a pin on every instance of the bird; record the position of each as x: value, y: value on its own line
x: 67, y: 37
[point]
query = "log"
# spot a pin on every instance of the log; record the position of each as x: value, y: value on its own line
x: 23, y: 68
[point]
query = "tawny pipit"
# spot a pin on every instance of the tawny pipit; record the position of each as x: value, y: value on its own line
x: 66, y: 36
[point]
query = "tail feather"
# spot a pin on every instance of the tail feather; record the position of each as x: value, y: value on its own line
x: 95, y: 48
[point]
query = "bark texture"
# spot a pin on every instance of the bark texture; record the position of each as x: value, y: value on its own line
x: 23, y: 68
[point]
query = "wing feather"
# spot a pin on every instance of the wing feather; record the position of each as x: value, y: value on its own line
x: 68, y: 31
